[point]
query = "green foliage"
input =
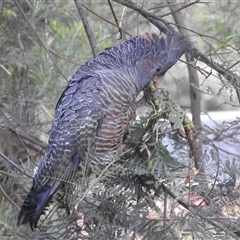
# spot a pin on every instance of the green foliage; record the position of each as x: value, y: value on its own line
x: 110, y: 202
x: 235, y: 33
x: 113, y: 201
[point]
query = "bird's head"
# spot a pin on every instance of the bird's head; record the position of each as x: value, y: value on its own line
x: 159, y: 54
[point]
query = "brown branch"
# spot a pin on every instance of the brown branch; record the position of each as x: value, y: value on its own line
x: 87, y: 27
x: 115, y: 18
x: 195, y: 95
x: 65, y: 59
x: 173, y: 195
x: 233, y: 78
x: 24, y: 172
x: 198, y: 213
x: 165, y: 27
x: 160, y: 23
x: 30, y: 141
x: 43, y: 44
x: 183, y: 3
x: 170, y: 5
x: 104, y: 19
x: 9, y: 199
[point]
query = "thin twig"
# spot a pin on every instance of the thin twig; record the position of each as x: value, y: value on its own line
x: 179, y: 9
x: 30, y: 141
x: 87, y: 27
x: 8, y: 198
x: 197, y: 213
x: 90, y: 10
x: 15, y: 165
x: 65, y: 59
x: 165, y: 212
x: 174, y: 196
x: 165, y: 27
x: 115, y: 18
x: 120, y: 23
x: 195, y: 95
x: 176, y: 3
x: 43, y: 44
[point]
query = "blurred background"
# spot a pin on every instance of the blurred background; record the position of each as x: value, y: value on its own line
x: 42, y: 44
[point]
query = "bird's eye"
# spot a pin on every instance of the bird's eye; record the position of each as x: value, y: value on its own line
x: 158, y: 70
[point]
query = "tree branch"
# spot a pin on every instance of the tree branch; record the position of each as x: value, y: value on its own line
x: 87, y: 27
x: 30, y: 141
x: 15, y: 165
x: 43, y: 44
x: 115, y: 18
x: 165, y: 27
x: 174, y: 6
x: 195, y: 95
x: 90, y: 10
x: 9, y: 199
x: 160, y: 23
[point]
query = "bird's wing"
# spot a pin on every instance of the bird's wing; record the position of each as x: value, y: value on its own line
x: 77, y: 115
x: 117, y: 100
x: 76, y: 120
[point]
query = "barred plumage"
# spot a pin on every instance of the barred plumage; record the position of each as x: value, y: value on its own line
x: 95, y: 110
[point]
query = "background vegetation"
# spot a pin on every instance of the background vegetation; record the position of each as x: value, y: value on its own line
x: 161, y: 195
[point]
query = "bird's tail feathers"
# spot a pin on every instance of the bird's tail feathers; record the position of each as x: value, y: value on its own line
x: 39, y: 198
x: 34, y: 206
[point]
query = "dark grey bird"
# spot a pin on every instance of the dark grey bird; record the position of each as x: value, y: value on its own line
x: 95, y: 110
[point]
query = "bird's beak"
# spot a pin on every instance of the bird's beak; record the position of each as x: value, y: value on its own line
x: 157, y: 80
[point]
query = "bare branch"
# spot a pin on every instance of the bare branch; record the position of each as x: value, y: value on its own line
x: 87, y: 27
x: 15, y: 165
x: 43, y: 44
x: 30, y: 141
x: 8, y: 198
x: 195, y: 95
x: 233, y: 78
x: 179, y: 9
x: 162, y: 24
x: 65, y: 59
x: 115, y: 18
x: 165, y: 27
x: 90, y: 10
x: 184, y: 5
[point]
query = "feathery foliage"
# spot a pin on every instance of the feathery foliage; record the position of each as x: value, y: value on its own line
x: 126, y: 199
